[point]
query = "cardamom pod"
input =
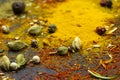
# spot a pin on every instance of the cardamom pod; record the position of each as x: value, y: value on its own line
x: 62, y: 50
x: 35, y: 29
x: 17, y: 45
x: 5, y: 63
x: 76, y: 44
x: 20, y: 60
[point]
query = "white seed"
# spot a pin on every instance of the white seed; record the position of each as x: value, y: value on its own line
x: 96, y: 46
x: 35, y: 20
x: 36, y: 59
x: 16, y: 38
x: 110, y: 45
x: 14, y: 66
x: 5, y: 29
x: 76, y: 44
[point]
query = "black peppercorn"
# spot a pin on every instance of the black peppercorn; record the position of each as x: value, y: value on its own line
x: 52, y: 28
x: 109, y: 4
x: 100, y: 30
x: 34, y: 44
x: 18, y: 7
x: 103, y: 3
x: 106, y: 3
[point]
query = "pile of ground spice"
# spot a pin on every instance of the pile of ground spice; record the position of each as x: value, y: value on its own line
x: 77, y: 18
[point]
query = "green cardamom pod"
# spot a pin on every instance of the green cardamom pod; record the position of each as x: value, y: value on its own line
x: 5, y: 62
x: 20, y: 60
x: 17, y: 45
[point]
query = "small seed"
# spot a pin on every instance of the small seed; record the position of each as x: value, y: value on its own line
x: 18, y: 7
x: 5, y: 29
x: 96, y: 46
x: 16, y: 38
x: 14, y: 66
x: 34, y: 43
x: 36, y: 59
x: 103, y: 3
x: 109, y: 3
x: 100, y: 30
x: 106, y: 3
x: 52, y: 28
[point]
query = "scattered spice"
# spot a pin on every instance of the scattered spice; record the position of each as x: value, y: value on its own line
x: 34, y: 43
x: 66, y: 31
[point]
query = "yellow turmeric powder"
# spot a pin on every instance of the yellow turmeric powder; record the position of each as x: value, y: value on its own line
x: 72, y: 18
x: 78, y: 18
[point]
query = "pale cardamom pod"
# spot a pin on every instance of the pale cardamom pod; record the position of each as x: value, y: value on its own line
x: 76, y: 44
x: 20, y: 60
x: 5, y: 63
x: 17, y: 45
x: 35, y: 29
x: 62, y: 50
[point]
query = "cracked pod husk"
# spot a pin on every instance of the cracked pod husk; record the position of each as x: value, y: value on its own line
x: 77, y: 43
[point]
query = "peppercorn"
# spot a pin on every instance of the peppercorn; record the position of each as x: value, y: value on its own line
x: 18, y: 7
x: 103, y: 3
x: 106, y: 3
x: 109, y: 4
x: 52, y: 28
x: 100, y: 30
x: 34, y: 44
